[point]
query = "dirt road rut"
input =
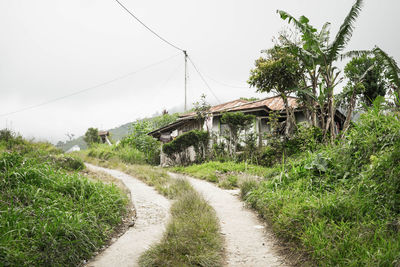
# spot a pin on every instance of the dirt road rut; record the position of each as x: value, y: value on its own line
x: 152, y: 215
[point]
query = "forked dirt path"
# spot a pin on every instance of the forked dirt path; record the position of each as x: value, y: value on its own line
x: 152, y: 211
x: 247, y: 243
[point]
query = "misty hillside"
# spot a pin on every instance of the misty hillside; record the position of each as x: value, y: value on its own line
x: 115, y: 134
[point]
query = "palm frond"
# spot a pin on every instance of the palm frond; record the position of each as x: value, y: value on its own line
x: 356, y: 53
x: 345, y: 32
x: 324, y: 34
x: 391, y: 66
x: 300, y: 26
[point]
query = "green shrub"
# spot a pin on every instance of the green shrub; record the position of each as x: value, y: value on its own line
x: 131, y: 155
x: 198, y: 139
x: 139, y: 140
x: 68, y: 162
x: 9, y: 139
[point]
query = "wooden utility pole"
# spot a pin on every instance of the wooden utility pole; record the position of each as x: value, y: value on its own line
x: 185, y: 54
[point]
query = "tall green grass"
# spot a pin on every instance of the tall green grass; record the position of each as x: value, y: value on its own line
x: 49, y: 214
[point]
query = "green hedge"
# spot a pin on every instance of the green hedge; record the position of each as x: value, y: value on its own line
x: 197, y: 139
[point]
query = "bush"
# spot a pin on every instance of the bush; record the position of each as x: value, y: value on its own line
x: 198, y: 139
x: 9, y: 139
x: 139, y: 140
x: 131, y: 155
x: 68, y: 162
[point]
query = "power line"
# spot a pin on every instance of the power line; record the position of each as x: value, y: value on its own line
x: 225, y: 84
x: 148, y: 28
x: 204, y: 80
x: 89, y: 88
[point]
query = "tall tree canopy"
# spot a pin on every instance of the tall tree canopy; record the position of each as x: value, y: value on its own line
x: 279, y: 72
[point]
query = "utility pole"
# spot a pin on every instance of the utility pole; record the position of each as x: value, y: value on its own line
x: 185, y: 54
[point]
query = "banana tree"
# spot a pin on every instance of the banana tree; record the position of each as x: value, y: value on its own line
x: 393, y: 72
x: 390, y: 65
x: 323, y: 53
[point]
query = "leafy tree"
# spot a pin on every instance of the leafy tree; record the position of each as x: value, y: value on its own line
x: 392, y: 70
x: 92, y: 136
x: 366, y: 81
x: 278, y: 72
x: 163, y: 120
x: 373, y: 81
x: 322, y: 53
x: 237, y: 122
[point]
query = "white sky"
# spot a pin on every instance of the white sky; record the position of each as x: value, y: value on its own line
x: 52, y: 48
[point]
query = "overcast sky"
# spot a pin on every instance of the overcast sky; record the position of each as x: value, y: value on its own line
x: 53, y: 48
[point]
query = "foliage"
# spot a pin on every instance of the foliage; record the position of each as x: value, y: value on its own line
x: 92, y: 136
x: 237, y: 123
x: 126, y: 154
x: 340, y: 202
x: 214, y: 171
x: 318, y: 55
x: 250, y: 99
x: 49, y: 215
x: 162, y: 120
x: 9, y: 139
x: 198, y: 139
x: 67, y: 162
x: 139, y: 140
x: 201, y: 108
x: 373, y: 81
x: 392, y: 72
x: 279, y: 72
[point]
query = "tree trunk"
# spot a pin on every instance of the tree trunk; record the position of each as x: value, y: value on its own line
x: 349, y: 113
x: 289, y: 117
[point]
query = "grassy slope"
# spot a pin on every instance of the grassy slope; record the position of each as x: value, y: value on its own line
x: 51, y: 215
x: 192, y: 237
x: 341, y: 204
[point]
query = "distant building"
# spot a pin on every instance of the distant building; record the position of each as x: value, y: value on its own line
x: 104, y: 137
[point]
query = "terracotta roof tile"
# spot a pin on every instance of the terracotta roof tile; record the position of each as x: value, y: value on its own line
x: 273, y: 103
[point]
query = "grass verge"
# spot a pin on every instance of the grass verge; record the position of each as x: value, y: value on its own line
x: 226, y: 174
x: 51, y: 215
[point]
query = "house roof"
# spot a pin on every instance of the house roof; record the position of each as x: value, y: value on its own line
x: 104, y: 133
x: 169, y: 126
x: 272, y: 103
x: 221, y: 107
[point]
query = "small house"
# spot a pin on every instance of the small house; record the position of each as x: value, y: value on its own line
x: 260, y: 108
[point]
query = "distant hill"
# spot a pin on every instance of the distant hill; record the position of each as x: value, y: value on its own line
x: 116, y: 134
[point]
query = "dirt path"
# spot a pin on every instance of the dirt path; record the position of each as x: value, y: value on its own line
x: 247, y: 241
x: 152, y: 214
